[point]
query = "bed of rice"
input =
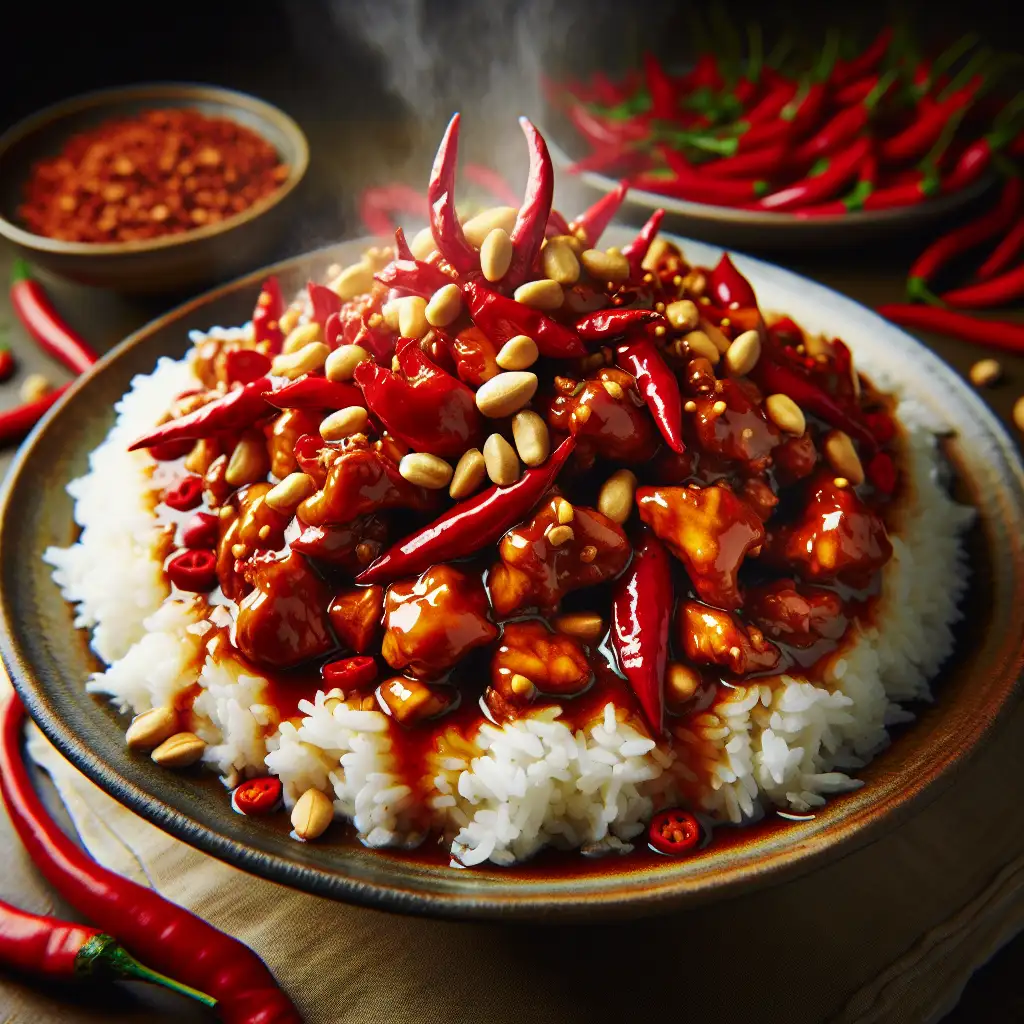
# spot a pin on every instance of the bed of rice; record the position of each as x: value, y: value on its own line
x: 501, y: 795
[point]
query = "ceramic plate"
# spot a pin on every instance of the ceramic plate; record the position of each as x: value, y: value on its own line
x: 49, y: 660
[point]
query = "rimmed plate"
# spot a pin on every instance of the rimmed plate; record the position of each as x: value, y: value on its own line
x: 49, y: 661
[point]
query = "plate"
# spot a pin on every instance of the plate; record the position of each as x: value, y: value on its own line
x: 49, y: 660
x: 756, y: 229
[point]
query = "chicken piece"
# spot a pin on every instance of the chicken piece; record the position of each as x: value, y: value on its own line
x: 434, y: 620
x: 710, y: 530
x: 796, y: 615
x: 712, y: 636
x: 283, y: 620
x: 795, y: 459
x: 551, y: 554
x: 282, y: 432
x: 410, y: 701
x: 553, y: 663
x: 758, y: 494
x: 836, y: 537
x: 739, y: 434
x: 350, y: 547
x: 356, y: 616
x: 254, y: 527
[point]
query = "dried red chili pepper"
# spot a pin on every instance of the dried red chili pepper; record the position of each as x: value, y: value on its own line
x: 636, y: 251
x: 257, y: 796
x: 194, y: 570
x: 242, y: 365
x: 200, y: 531
x: 658, y: 384
x: 430, y: 410
x: 235, y: 411
x: 988, y: 333
x: 674, y: 832
x: 1004, y: 252
x: 402, y: 249
x: 471, y: 524
x: 641, y: 615
x: 308, y: 392
x: 729, y: 288
x: 350, y: 673
x: 502, y: 318
x: 40, y: 319
x: 266, y: 317
x: 7, y: 364
x: 593, y: 221
x: 997, y: 291
x: 444, y: 221
x: 531, y: 221
x: 165, y: 935
x: 186, y: 494
x: 324, y: 301
x: 413, y: 277
x: 611, y: 323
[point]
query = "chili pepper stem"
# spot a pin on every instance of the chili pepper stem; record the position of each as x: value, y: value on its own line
x: 103, y: 954
x: 918, y: 291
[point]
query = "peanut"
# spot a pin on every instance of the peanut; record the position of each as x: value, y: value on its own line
x: 559, y: 262
x: 496, y: 254
x: 842, y: 456
x: 286, y: 496
x: 423, y: 244
x: 299, y: 337
x: 344, y: 422
x: 518, y: 353
x: 985, y: 372
x: 444, y: 305
x: 615, y: 499
x: 290, y: 319
x: 179, y: 750
x: 34, y: 387
x: 342, y: 362
x: 506, y: 393
x: 425, y: 470
x: 785, y: 414
x: 501, y: 461
x: 294, y: 364
x: 478, y: 227
x: 542, y: 294
x: 559, y: 535
x: 469, y: 474
x: 151, y: 728
x: 701, y: 345
x: 312, y: 813
x: 605, y: 266
x: 1018, y: 413
x: 657, y: 250
x: 530, y: 432
x: 249, y: 461
x: 353, y: 281
x: 681, y: 683
x: 412, y: 317
x: 743, y: 353
x: 683, y: 314
x: 521, y: 686
x: 586, y: 626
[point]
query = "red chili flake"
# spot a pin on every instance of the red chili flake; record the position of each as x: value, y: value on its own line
x: 200, y: 531
x: 169, y: 451
x: 881, y: 472
x: 186, y: 494
x: 195, y: 571
x: 350, y: 673
x: 245, y: 365
x: 257, y: 796
x: 881, y: 426
x: 674, y: 831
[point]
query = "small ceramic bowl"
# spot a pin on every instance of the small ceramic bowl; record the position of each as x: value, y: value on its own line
x: 175, y: 262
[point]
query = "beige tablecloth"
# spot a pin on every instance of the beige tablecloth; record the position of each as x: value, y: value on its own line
x: 890, y: 933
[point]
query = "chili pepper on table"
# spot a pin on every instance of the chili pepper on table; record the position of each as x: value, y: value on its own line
x: 961, y: 239
x: 444, y: 221
x: 996, y: 291
x: 531, y: 221
x: 414, y: 277
x: 839, y: 170
x: 164, y: 935
x: 36, y: 312
x: 266, y: 317
x: 988, y: 333
x: 636, y: 251
x: 502, y: 318
x: 15, y: 423
x: 7, y: 364
x: 674, y: 831
x: 593, y: 221
x: 729, y: 286
x: 309, y: 392
x: 428, y: 409
x: 1004, y: 252
x: 977, y: 157
x: 658, y: 385
x: 471, y: 524
x: 920, y: 135
x: 641, y: 615
x: 612, y: 323
x: 237, y: 410
x: 50, y: 948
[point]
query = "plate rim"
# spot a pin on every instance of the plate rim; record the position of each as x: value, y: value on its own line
x: 661, y: 889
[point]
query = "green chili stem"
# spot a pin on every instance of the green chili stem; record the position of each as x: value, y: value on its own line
x: 984, y: 58
x: 829, y: 52
x: 951, y: 55
x: 755, y: 48
x: 780, y: 51
x: 942, y: 143
x: 882, y: 86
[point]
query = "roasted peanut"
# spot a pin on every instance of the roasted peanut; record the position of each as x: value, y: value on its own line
x: 506, y: 393
x: 412, y: 317
x: 353, y: 281
x: 586, y: 626
x: 530, y: 432
x: 286, y: 496
x: 743, y: 354
x: 559, y: 535
x: 542, y: 294
x: 444, y: 305
x: 985, y: 372
x: 681, y: 683
x: 151, y: 728
x: 344, y: 422
x: 479, y: 226
x: 249, y: 461
x: 294, y: 364
x: 425, y: 470
x: 518, y: 353
x: 34, y: 387
x: 559, y: 262
x: 299, y: 337
x: 312, y: 813
x: 342, y: 362
x: 500, y: 460
x: 496, y: 254
x: 615, y: 499
x: 842, y: 456
x: 605, y: 266
x: 701, y: 345
x: 179, y: 750
x: 469, y: 474
x: 683, y: 314
x: 785, y: 414
x: 423, y: 244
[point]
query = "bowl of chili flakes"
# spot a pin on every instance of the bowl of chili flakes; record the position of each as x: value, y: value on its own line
x: 150, y: 188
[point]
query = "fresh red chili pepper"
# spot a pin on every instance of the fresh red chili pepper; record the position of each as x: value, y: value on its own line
x: 36, y: 312
x: 379, y: 205
x: 243, y: 365
x: 768, y: 160
x: 7, y: 364
x: 413, y: 277
x: 324, y: 303
x: 164, y: 935
x: 471, y: 524
x: 402, y: 249
x: 881, y: 473
x: 971, y: 234
x: 532, y: 219
x: 844, y: 128
x: 641, y: 615
x: 266, y: 317
x: 502, y: 318
x: 928, y: 184
x: 866, y: 62
x: 636, y: 251
x: 988, y: 333
x: 855, y: 91
x: 557, y: 224
x: 729, y: 286
x: 309, y: 392
x: 257, y: 796
x: 606, y: 90
x: 350, y: 673
x: 16, y: 422
x: 774, y: 378
x: 1004, y: 252
x: 50, y: 948
x: 919, y: 136
x: 997, y: 291
x: 661, y: 88
x: 186, y: 494
x: 612, y: 323
x: 428, y: 409
x: 444, y: 221
x: 701, y: 189
x: 771, y: 105
x: 200, y: 531
x: 838, y: 172
x: 493, y: 182
x: 657, y: 383
x: 237, y: 410
x: 593, y: 221
x: 194, y: 570
x: 674, y: 832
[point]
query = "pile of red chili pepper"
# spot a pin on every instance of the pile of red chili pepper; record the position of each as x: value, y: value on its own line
x: 876, y: 128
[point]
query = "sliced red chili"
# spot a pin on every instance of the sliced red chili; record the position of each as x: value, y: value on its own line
x: 195, y: 571
x: 186, y: 494
x: 200, y: 531
x: 350, y: 673
x: 674, y: 831
x: 257, y: 796
x: 245, y: 365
